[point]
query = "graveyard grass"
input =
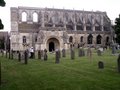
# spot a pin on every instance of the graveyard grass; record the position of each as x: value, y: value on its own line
x: 77, y: 74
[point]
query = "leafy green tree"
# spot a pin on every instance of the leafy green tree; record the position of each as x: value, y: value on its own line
x: 117, y: 29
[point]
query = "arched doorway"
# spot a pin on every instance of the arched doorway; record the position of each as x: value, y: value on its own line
x: 51, y: 46
x: 98, y: 38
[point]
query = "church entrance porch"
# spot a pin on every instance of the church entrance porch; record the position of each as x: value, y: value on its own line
x: 53, y: 44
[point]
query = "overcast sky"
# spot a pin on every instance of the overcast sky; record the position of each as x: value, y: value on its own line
x: 112, y: 7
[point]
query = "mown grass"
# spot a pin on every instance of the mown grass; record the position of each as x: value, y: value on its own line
x: 77, y: 74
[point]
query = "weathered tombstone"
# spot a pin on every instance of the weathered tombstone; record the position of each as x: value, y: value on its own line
x: 39, y: 54
x: 80, y: 53
x: 6, y: 53
x: 2, y: 53
x: 11, y: 54
x: 89, y: 53
x: 118, y: 61
x: 100, y: 65
x: 99, y: 52
x: 72, y: 54
x: 45, y: 55
x: 113, y: 48
x: 19, y: 56
x: 63, y: 53
x: 57, y: 59
x: 59, y: 53
x: 42, y: 54
x: 26, y: 56
x: 83, y: 52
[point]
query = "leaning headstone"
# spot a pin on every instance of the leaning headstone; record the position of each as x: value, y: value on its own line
x: 100, y: 65
x: 118, y: 61
x: 57, y: 58
x: 45, y: 55
x: 26, y: 56
x: 99, y: 52
x: 63, y: 53
x: 72, y: 54
x: 39, y: 54
x: 19, y: 56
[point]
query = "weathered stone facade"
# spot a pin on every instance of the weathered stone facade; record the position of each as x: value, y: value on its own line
x: 58, y: 28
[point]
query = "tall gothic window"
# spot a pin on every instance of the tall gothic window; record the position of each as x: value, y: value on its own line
x: 71, y: 39
x: 81, y: 39
x: 99, y: 39
x: 90, y: 39
x: 24, y: 16
x: 35, y: 17
x: 24, y: 39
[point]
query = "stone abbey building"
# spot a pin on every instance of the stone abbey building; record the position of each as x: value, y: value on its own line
x: 49, y: 28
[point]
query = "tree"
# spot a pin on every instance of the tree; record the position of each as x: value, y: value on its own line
x: 117, y: 29
x: 2, y: 3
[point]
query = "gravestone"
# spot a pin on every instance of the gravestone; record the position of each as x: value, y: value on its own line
x: 45, y: 55
x: 6, y: 53
x: 72, y: 54
x: 80, y: 53
x: 63, y: 53
x: 99, y: 52
x: 11, y: 54
x: 113, y: 48
x: 59, y: 53
x: 118, y: 61
x: 19, y: 56
x: 26, y: 56
x: 57, y: 57
x: 89, y: 53
x: 42, y: 54
x: 100, y: 65
x: 39, y: 54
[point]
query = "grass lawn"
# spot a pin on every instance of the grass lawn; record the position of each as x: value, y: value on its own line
x: 77, y: 74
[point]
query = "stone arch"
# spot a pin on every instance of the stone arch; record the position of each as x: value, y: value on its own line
x: 98, y: 39
x: 35, y: 17
x: 52, y: 44
x: 70, y: 39
x: 24, y: 16
x: 90, y: 39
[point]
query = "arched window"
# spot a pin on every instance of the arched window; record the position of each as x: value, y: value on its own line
x: 24, y: 39
x: 99, y: 39
x: 81, y: 39
x: 107, y: 40
x: 24, y: 17
x: 71, y: 39
x: 35, y: 17
x: 89, y: 39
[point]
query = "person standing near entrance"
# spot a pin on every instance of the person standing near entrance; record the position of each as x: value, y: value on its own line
x: 31, y: 52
